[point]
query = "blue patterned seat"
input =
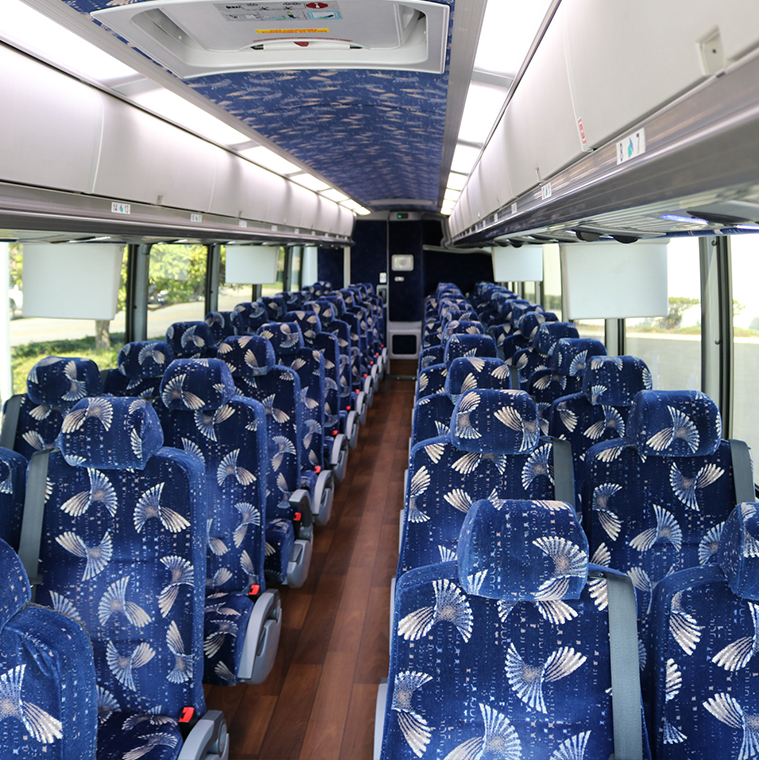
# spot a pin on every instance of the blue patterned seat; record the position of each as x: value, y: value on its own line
x: 223, y: 324
x: 432, y: 414
x: 53, y: 386
x: 140, y: 367
x: 201, y: 413
x: 308, y: 365
x: 250, y: 316
x: 275, y: 307
x: 493, y: 448
x: 504, y: 651
x: 568, y: 362
x: 47, y: 675
x: 655, y: 501
x: 12, y: 491
x: 599, y: 412
x: 704, y: 623
x: 123, y: 552
x: 289, y: 540
x: 538, y: 356
x: 191, y: 340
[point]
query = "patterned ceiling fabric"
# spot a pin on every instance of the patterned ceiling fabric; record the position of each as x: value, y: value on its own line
x: 376, y: 134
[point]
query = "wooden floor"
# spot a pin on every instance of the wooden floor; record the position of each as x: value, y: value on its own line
x: 318, y: 702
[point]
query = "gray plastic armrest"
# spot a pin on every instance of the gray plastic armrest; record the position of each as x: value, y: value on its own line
x: 301, y: 500
x: 339, y: 445
x: 267, y: 606
x: 379, y: 717
x: 209, y: 735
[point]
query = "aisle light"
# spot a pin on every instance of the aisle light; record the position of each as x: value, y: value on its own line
x: 270, y: 160
x: 456, y: 181
x: 47, y: 40
x: 481, y: 109
x: 508, y: 29
x: 361, y: 211
x: 451, y: 195
x: 334, y: 195
x: 464, y: 157
x: 309, y: 181
x: 350, y: 204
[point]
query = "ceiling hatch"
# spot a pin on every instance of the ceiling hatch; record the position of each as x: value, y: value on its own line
x: 201, y: 37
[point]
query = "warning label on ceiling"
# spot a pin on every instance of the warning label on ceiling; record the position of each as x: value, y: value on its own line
x: 298, y: 11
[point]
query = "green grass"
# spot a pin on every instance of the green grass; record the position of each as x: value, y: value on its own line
x: 23, y: 358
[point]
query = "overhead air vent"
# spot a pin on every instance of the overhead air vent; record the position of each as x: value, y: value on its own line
x: 200, y: 37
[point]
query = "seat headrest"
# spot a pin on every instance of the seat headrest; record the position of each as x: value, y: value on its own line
x: 495, y: 422
x: 614, y: 380
x: 285, y: 337
x: 144, y: 358
x: 197, y: 385
x: 449, y: 314
x: 462, y: 327
x: 275, y: 306
x: 549, y: 333
x: 222, y: 324
x: 337, y: 301
x: 571, y: 355
x: 471, y: 373
x: 522, y: 551
x: 294, y: 299
x: 247, y: 355
x: 17, y: 589
x: 187, y: 338
x: 308, y: 321
x: 674, y: 424
x: 62, y: 381
x: 250, y: 311
x: 532, y: 320
x: 738, y: 551
x: 459, y: 345
x: 325, y: 310
x: 111, y: 433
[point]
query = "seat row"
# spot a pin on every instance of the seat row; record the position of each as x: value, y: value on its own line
x: 161, y: 522
x: 517, y: 550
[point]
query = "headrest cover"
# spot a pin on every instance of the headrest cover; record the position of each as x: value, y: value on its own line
x: 449, y: 314
x: 61, y: 381
x: 338, y: 302
x: 571, y: 355
x: 532, y: 320
x: 522, y: 551
x: 247, y: 355
x: 470, y: 373
x: 468, y: 345
x: 17, y: 589
x: 461, y: 327
x: 186, y: 338
x: 275, y: 306
x: 222, y: 324
x: 251, y: 311
x: 111, y: 433
x: 293, y: 299
x: 144, y: 358
x: 285, y: 337
x: 549, y: 333
x: 495, y: 422
x: 738, y: 551
x: 325, y: 310
x: 197, y: 385
x: 674, y: 424
x: 308, y: 321
x: 614, y: 380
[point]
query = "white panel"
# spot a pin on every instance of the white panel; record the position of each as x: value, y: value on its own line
x: 329, y: 215
x: 50, y: 126
x: 518, y: 264
x: 496, y: 188
x: 279, y: 200
x: 346, y: 222
x: 650, y: 57
x: 474, y: 188
x: 613, y: 280
x: 71, y: 281
x: 146, y: 159
x: 304, y: 206
x: 251, y: 264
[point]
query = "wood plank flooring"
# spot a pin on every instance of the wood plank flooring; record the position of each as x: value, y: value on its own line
x: 318, y: 703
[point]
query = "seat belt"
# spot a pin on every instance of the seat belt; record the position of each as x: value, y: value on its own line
x: 10, y: 421
x: 34, y: 512
x: 563, y: 472
x: 743, y: 480
x: 625, y: 674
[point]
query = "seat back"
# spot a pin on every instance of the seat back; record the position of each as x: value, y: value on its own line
x: 538, y: 356
x: 123, y: 552
x: 505, y: 651
x: 222, y: 324
x: 47, y: 675
x: 493, y: 448
x: 140, y: 366
x: 12, y: 492
x: 53, y: 386
x: 191, y: 340
x: 250, y: 316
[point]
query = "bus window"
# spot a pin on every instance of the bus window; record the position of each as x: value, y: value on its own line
x: 671, y: 345
x: 745, y: 274
x: 591, y: 328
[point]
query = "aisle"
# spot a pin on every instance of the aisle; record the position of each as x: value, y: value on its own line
x: 318, y: 703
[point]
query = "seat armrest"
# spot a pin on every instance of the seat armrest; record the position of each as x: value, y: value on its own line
x: 300, y: 500
x: 267, y: 607
x: 379, y: 718
x: 208, y: 736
